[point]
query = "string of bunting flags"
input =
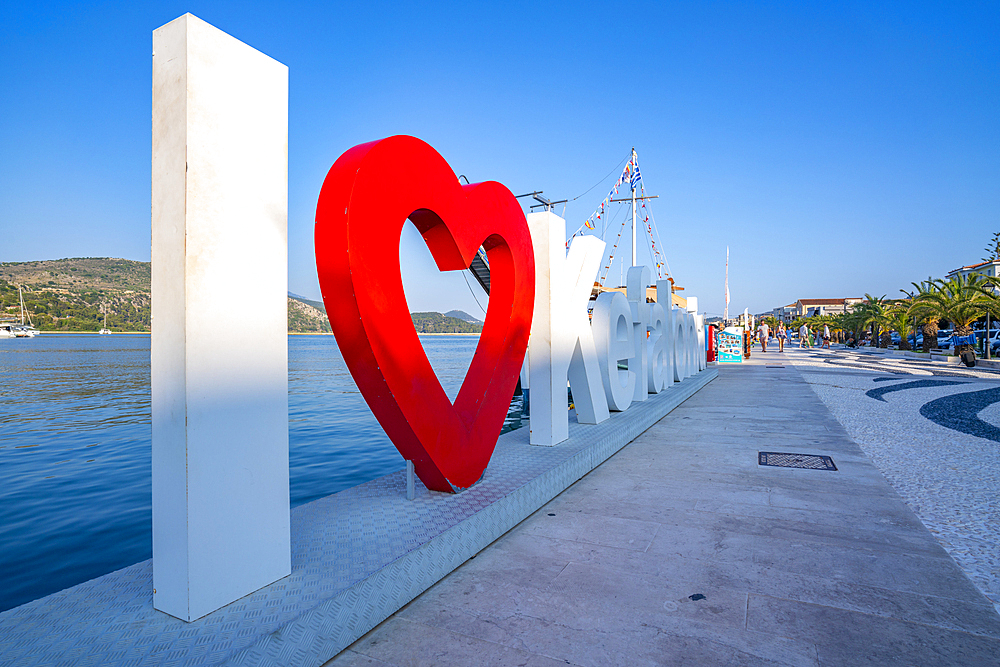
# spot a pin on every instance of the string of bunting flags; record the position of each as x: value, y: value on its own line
x: 630, y: 174
x: 633, y: 176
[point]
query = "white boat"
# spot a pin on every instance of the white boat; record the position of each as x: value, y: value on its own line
x: 105, y: 331
x: 25, y: 331
x: 15, y: 329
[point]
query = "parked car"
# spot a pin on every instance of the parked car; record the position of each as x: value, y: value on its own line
x: 944, y: 339
x: 909, y: 337
x: 994, y: 339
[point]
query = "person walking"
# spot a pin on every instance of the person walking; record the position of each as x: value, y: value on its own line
x: 780, y: 333
x: 826, y: 336
x: 803, y: 336
x: 764, y: 332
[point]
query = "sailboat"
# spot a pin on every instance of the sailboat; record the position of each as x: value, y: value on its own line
x: 105, y: 331
x: 23, y: 330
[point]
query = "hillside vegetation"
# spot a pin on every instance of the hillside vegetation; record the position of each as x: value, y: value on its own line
x: 70, y: 294
x: 304, y: 317
x: 438, y: 323
x: 462, y: 315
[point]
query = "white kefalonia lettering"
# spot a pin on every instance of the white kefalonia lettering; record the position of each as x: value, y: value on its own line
x: 615, y: 338
x: 561, y: 346
x: 631, y: 348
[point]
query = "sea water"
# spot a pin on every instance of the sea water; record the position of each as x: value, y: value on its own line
x: 75, y: 477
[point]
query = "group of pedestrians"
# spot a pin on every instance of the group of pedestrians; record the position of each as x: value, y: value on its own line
x: 807, y: 338
x: 764, y: 336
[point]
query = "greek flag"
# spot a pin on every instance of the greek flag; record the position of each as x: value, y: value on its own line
x: 636, y: 177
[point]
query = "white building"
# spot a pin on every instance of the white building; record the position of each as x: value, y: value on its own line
x: 991, y: 268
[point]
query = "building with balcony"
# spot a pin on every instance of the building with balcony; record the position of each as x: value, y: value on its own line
x: 991, y: 268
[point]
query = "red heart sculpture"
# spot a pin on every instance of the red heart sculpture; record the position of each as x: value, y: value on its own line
x: 366, y: 198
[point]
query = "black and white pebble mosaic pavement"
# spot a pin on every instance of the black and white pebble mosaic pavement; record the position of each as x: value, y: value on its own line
x: 934, y: 432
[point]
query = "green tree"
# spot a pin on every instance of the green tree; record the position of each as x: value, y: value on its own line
x: 961, y: 300
x: 993, y: 249
x: 927, y: 315
x: 900, y: 321
x: 874, y: 314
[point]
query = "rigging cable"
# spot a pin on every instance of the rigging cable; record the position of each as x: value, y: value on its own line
x: 473, y: 292
x: 610, y: 173
x: 611, y: 255
x: 580, y: 229
x: 670, y: 271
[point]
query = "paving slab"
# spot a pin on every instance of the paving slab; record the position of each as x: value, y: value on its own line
x: 936, y: 439
x: 682, y: 550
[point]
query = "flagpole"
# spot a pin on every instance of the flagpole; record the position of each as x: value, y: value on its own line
x: 632, y: 183
x: 725, y: 315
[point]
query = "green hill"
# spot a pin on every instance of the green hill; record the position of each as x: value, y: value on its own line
x: 462, y: 315
x: 305, y: 317
x: 69, y: 295
x: 438, y: 323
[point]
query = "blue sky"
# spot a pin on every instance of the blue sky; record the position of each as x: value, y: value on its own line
x: 837, y: 148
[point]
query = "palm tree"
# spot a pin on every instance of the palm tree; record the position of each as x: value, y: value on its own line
x: 961, y: 300
x: 821, y: 321
x: 900, y: 322
x: 836, y: 326
x: 991, y: 289
x: 924, y: 313
x: 874, y: 313
x: 851, y: 322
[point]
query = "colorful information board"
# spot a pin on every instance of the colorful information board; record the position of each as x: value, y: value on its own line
x: 729, y: 343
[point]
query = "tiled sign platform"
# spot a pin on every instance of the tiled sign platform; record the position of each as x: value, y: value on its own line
x: 357, y: 557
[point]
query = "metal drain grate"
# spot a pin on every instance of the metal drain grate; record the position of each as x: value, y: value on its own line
x: 773, y: 366
x: 780, y: 460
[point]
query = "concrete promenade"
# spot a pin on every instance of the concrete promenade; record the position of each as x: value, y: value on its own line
x: 682, y: 550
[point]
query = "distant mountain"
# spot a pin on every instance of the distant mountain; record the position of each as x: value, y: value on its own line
x: 305, y: 316
x: 462, y: 315
x: 438, y: 323
x: 318, y: 305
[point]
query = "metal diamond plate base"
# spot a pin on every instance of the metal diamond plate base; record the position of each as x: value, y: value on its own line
x: 357, y: 557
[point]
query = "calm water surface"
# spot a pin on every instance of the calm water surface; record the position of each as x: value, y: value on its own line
x: 75, y: 448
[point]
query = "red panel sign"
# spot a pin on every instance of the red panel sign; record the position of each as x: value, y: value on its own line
x: 367, y: 197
